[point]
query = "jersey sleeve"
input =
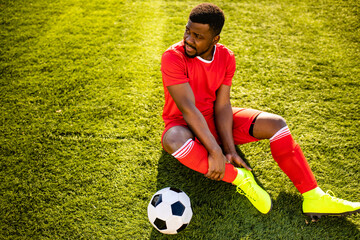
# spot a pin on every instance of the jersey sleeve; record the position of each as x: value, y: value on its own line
x: 173, y: 69
x: 230, y: 69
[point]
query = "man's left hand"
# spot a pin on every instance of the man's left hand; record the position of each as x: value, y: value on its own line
x: 236, y: 160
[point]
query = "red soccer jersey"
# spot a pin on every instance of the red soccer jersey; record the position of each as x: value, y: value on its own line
x: 205, y: 78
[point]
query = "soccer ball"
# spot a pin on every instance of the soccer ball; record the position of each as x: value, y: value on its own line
x: 169, y: 210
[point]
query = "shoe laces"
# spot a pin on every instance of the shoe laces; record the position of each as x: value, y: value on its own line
x: 250, y: 189
x: 330, y: 194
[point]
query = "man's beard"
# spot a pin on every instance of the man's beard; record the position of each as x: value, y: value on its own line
x: 196, y: 54
x: 189, y: 56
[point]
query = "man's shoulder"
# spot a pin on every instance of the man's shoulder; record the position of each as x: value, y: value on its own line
x: 176, y: 49
x: 174, y: 58
x: 224, y: 50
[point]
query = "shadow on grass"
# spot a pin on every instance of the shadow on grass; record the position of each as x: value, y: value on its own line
x: 221, y: 213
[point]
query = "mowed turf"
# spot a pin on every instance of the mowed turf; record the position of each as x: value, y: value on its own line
x: 81, y: 103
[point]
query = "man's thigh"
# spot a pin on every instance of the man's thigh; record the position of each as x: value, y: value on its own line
x: 243, y: 123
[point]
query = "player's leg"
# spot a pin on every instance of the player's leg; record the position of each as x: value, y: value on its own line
x: 179, y: 141
x: 290, y: 158
x: 286, y: 152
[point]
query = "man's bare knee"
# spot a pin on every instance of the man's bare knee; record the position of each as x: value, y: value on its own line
x: 267, y: 124
x: 175, y: 137
x: 277, y: 122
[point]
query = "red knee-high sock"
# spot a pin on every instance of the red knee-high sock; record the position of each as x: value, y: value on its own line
x: 194, y: 155
x: 287, y: 153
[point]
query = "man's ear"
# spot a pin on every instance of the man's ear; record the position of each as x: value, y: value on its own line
x: 216, y: 39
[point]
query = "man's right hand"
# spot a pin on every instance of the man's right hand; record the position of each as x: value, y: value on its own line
x: 216, y: 169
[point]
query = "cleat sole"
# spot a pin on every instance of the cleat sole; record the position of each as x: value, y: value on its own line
x: 316, y: 216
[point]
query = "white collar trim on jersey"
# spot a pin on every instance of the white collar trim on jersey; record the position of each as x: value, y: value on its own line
x: 207, y: 61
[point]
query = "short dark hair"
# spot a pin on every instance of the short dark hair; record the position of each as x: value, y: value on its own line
x: 207, y: 13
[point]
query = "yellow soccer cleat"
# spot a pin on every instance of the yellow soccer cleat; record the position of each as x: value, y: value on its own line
x: 247, y: 186
x: 323, y: 204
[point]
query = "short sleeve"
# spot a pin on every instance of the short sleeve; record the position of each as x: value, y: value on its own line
x: 173, y: 69
x: 230, y: 69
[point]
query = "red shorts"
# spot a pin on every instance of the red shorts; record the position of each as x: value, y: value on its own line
x: 242, y: 120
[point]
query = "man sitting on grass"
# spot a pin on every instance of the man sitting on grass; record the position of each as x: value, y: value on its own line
x: 202, y: 128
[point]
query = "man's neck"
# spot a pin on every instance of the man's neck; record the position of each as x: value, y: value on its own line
x: 208, y: 57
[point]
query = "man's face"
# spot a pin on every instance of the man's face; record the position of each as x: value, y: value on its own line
x: 199, y: 40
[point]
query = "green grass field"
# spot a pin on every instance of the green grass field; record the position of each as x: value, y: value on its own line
x: 81, y: 103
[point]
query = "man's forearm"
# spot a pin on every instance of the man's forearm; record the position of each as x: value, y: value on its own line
x: 224, y: 125
x: 199, y: 127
